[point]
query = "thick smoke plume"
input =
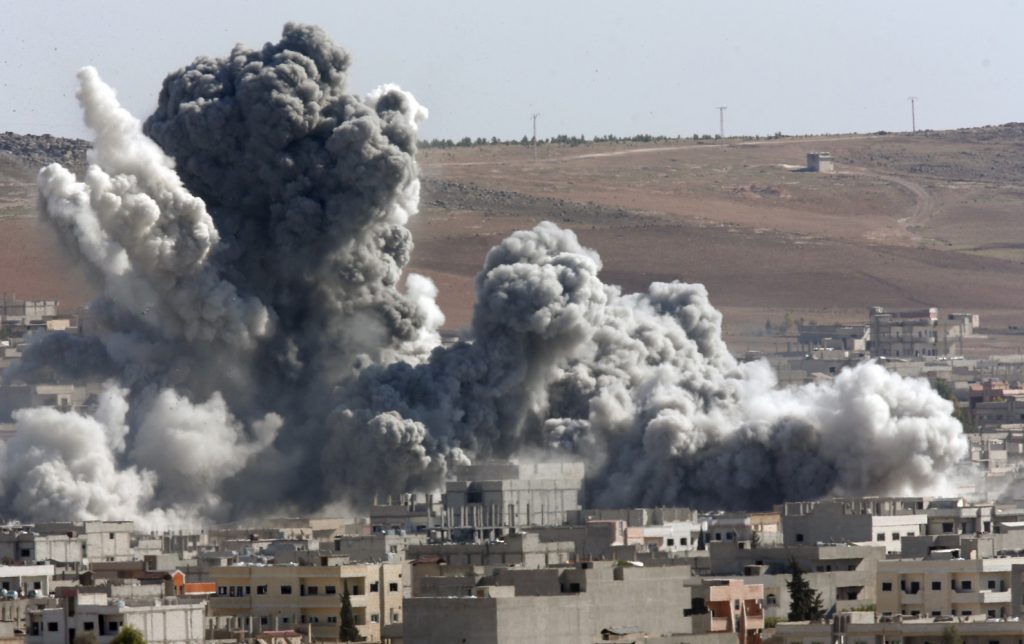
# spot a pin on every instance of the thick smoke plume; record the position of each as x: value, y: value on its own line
x: 263, y: 355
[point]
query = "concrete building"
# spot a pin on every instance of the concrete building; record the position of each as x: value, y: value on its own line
x: 862, y: 628
x: 374, y: 548
x: 994, y: 404
x: 905, y: 334
x: 161, y: 622
x: 844, y: 337
x: 843, y: 574
x: 525, y: 550
x: 566, y: 606
x: 23, y: 313
x: 869, y: 520
x: 734, y: 606
x: 27, y: 580
x: 253, y: 599
x: 956, y: 516
x: 22, y: 545
x: 945, y: 586
x: 409, y: 513
x: 820, y: 162
x: 487, y: 499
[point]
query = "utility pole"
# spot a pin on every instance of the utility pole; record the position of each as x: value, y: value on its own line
x: 721, y: 121
x: 913, y: 116
x: 535, y: 115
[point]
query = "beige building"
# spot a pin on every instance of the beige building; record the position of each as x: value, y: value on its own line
x: 862, y: 628
x: 936, y: 587
x: 160, y: 621
x: 573, y: 606
x: 253, y: 599
x: 881, y: 521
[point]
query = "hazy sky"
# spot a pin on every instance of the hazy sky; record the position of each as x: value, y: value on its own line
x: 597, y: 67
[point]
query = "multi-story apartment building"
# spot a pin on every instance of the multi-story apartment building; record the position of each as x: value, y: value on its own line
x: 905, y: 334
x: 955, y: 516
x: 487, y: 499
x: 161, y: 622
x: 253, y: 599
x: 936, y: 586
x: 868, y: 520
x: 863, y: 628
x: 581, y: 605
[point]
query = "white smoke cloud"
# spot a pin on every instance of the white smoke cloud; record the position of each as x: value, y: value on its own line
x: 63, y: 466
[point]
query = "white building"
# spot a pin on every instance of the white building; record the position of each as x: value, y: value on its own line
x: 161, y: 622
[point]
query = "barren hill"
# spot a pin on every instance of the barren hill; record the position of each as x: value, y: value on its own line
x: 931, y: 218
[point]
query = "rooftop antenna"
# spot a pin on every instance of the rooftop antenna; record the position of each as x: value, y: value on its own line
x: 535, y: 115
x: 721, y: 121
x: 913, y: 115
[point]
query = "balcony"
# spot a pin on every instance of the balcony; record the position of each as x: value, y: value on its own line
x: 912, y: 599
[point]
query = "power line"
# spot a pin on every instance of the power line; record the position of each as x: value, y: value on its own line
x: 721, y: 120
x: 535, y: 115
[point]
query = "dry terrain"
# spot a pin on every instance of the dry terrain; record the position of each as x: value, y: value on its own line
x: 935, y: 218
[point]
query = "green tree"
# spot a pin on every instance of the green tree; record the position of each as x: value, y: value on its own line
x: 944, y: 389
x: 804, y: 602
x: 951, y: 636
x: 349, y: 632
x: 128, y: 635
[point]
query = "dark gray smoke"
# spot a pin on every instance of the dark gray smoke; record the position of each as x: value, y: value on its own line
x: 264, y: 356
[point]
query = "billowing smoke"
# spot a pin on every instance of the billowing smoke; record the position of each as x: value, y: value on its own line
x: 264, y: 355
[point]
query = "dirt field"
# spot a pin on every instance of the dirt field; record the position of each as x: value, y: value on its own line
x: 930, y: 219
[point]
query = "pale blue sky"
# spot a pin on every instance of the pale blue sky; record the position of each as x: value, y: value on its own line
x: 590, y: 68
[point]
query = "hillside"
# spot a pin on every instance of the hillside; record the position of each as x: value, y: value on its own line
x: 932, y: 218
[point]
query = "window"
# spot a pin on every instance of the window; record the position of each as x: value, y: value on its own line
x: 670, y: 542
x: 332, y: 619
x: 25, y: 552
x: 261, y: 590
x: 965, y: 585
x: 880, y: 536
x: 886, y: 586
x: 51, y: 626
x: 222, y: 590
x: 771, y: 600
x: 88, y: 626
x: 965, y: 613
x: 947, y: 527
x: 682, y: 541
x: 312, y: 590
x: 286, y: 590
x: 110, y: 536
x: 264, y: 620
x: 393, y: 587
x: 718, y: 536
x: 799, y: 538
x: 895, y: 536
x: 330, y: 590
x: 991, y: 613
x: 373, y: 587
x: 393, y: 549
x: 355, y: 590
x: 285, y: 620
x: 936, y: 585
x: 936, y: 613
x: 375, y: 618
